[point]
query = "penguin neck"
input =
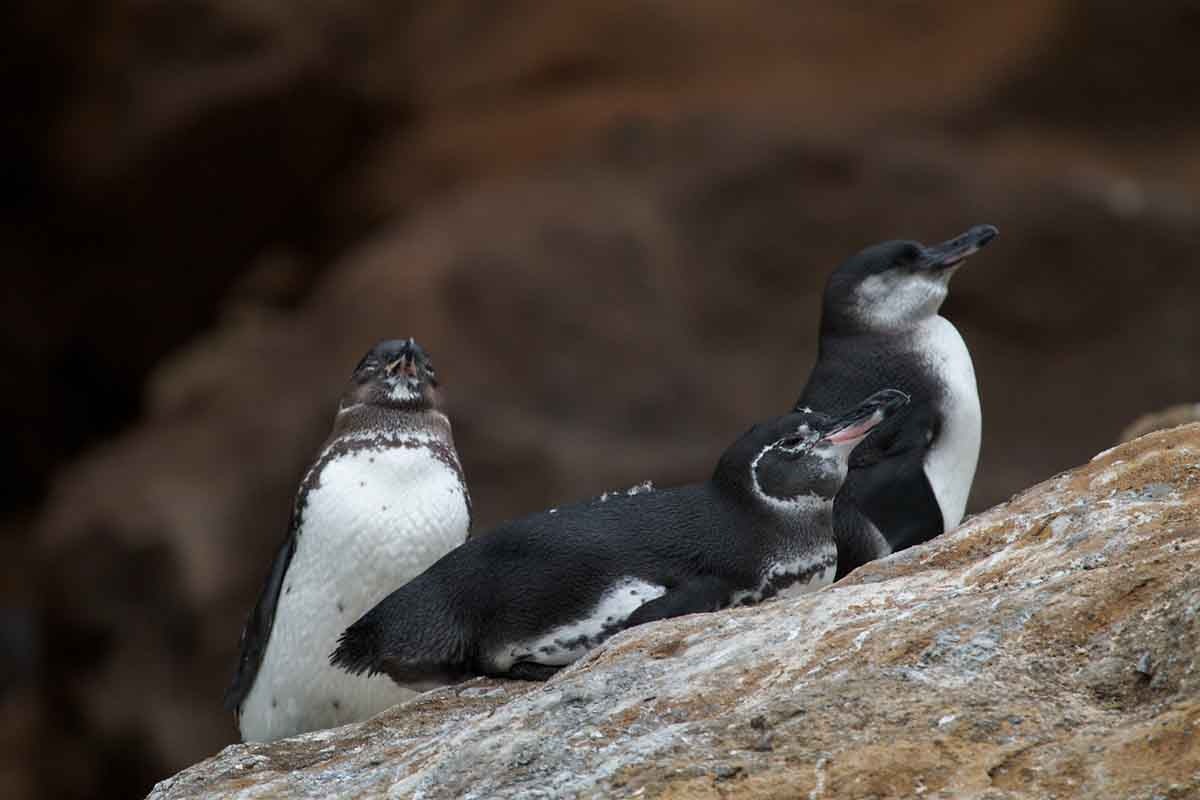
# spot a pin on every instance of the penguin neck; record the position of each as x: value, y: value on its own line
x: 368, y: 419
x: 879, y: 306
x: 737, y: 481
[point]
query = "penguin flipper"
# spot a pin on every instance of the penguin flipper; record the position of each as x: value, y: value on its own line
x: 257, y: 631
x: 858, y: 540
x: 886, y: 483
x: 907, y: 435
x: 411, y: 635
x: 700, y: 594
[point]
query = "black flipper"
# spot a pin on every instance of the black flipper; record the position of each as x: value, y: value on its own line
x: 412, y: 635
x: 858, y: 540
x: 706, y: 593
x: 907, y: 512
x: 258, y: 627
x: 886, y: 492
x: 887, y: 482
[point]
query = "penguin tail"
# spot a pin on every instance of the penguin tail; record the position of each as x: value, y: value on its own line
x: 407, y: 637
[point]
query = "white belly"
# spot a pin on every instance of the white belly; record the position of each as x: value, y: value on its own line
x: 568, y: 642
x: 950, y: 463
x: 377, y: 519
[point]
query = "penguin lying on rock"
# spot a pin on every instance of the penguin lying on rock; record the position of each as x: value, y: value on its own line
x: 384, y: 500
x: 880, y: 327
x: 535, y: 594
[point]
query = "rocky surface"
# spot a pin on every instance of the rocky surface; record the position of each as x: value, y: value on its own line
x: 1171, y: 417
x: 684, y: 276
x: 1049, y: 647
x: 609, y: 227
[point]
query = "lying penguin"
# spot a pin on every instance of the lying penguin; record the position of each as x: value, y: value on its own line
x: 535, y: 594
x: 880, y: 327
x: 384, y: 500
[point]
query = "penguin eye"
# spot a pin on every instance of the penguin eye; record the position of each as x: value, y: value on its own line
x: 908, y: 255
x: 791, y: 442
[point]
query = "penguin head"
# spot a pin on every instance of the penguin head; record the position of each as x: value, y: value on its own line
x: 900, y: 283
x: 803, y: 456
x: 395, y: 373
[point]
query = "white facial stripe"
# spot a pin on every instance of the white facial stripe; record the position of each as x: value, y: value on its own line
x: 893, y: 298
x: 789, y: 505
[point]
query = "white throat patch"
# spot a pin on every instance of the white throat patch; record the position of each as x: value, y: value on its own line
x: 405, y: 390
x: 890, y: 299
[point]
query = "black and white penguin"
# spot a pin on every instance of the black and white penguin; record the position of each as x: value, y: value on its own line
x: 880, y: 327
x: 384, y: 499
x: 535, y: 594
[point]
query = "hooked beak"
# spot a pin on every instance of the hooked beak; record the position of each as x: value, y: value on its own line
x: 852, y: 427
x: 954, y: 252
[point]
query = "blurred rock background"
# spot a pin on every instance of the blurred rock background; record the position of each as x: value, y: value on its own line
x: 609, y: 223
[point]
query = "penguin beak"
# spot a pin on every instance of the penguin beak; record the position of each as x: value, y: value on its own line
x: 950, y: 254
x: 404, y: 363
x: 853, y: 427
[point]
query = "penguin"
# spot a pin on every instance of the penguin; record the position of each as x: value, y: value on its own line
x: 880, y: 327
x: 385, y: 499
x: 535, y: 594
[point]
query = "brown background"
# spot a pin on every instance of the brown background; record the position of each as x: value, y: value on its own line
x: 609, y: 224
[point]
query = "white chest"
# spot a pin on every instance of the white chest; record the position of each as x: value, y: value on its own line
x: 793, y: 574
x: 951, y: 462
x: 377, y: 519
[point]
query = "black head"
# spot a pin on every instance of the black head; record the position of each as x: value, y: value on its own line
x: 799, y: 461
x: 899, y: 283
x: 396, y: 374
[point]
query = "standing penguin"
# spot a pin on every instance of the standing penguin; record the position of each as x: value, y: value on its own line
x: 536, y: 593
x: 384, y: 500
x: 880, y: 327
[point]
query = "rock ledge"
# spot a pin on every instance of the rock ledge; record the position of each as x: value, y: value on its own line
x: 1048, y: 647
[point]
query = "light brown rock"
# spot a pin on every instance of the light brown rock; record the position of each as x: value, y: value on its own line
x: 1049, y: 647
x: 1172, y: 417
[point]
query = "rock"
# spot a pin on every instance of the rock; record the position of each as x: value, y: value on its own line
x: 688, y: 309
x: 1003, y: 660
x: 1180, y: 414
x: 219, y: 202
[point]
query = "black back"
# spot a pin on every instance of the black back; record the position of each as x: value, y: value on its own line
x: 529, y: 575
